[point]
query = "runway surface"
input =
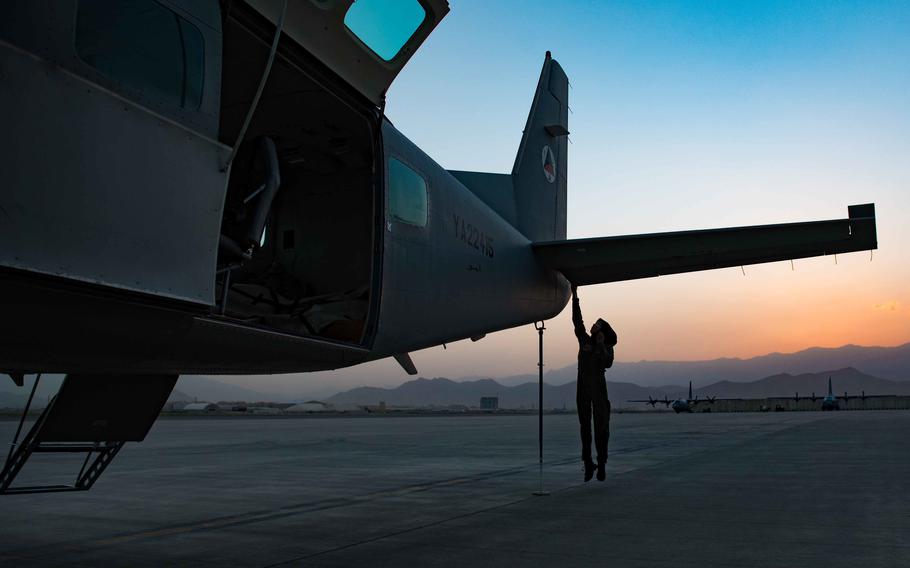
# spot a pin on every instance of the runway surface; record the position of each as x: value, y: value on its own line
x: 779, y: 489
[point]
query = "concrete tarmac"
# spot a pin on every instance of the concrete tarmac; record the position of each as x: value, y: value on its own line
x: 779, y: 489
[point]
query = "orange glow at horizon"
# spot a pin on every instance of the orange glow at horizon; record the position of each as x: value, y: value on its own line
x: 713, y: 314
x: 772, y: 308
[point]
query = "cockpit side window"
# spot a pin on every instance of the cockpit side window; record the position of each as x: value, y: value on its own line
x: 145, y: 46
x: 384, y: 26
x: 407, y: 194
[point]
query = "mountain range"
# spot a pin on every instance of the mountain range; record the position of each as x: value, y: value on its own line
x: 891, y: 363
x: 446, y: 392
x: 189, y: 388
x: 777, y: 374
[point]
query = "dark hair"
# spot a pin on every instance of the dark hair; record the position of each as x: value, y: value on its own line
x: 609, y: 335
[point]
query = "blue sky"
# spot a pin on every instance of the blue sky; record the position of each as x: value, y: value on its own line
x: 685, y: 115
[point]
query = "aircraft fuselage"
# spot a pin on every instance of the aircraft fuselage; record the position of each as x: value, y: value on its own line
x: 117, y: 204
x: 681, y: 405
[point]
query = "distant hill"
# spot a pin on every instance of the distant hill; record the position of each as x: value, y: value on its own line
x: 200, y: 388
x: 189, y: 388
x: 445, y: 392
x: 783, y: 374
x: 891, y: 363
x: 849, y: 379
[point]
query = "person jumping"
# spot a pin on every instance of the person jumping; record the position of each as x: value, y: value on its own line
x: 595, y: 356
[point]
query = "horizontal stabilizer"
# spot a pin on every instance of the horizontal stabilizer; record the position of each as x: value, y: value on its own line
x: 612, y: 259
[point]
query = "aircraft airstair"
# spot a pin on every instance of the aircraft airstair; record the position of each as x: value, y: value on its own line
x: 91, y: 414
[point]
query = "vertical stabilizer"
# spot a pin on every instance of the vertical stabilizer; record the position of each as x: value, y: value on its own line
x: 539, y: 174
x: 690, y: 390
x: 830, y: 392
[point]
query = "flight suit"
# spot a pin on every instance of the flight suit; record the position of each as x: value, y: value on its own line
x: 591, y: 389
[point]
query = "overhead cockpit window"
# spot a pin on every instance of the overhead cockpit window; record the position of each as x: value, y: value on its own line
x: 143, y: 45
x: 384, y: 25
x: 407, y: 194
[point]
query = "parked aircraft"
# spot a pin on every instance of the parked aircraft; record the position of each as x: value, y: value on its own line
x: 681, y: 404
x: 830, y: 401
x: 213, y: 187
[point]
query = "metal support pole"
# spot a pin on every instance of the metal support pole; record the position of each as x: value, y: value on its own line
x: 540, y: 492
x: 28, y: 405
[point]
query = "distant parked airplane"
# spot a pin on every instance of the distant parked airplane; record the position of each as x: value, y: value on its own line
x: 681, y: 404
x: 830, y: 401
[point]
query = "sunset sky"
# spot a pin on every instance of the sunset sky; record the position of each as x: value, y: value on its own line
x: 685, y: 115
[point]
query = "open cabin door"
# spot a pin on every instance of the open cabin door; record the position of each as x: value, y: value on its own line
x: 300, y: 240
x: 366, y: 42
x: 111, y: 175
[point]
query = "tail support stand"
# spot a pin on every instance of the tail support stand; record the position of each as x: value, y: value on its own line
x: 540, y: 490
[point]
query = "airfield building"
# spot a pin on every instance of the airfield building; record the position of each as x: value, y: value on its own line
x: 309, y: 406
x: 199, y: 407
x: 489, y: 403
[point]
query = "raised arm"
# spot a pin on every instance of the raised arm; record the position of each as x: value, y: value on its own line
x: 579, y: 323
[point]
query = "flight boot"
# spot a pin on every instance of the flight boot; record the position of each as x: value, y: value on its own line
x: 589, y: 470
x: 601, y: 471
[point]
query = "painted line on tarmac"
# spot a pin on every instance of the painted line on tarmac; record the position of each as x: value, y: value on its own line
x: 316, y: 506
x: 281, y: 512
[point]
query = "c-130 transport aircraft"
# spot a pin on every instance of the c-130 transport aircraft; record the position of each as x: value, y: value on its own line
x: 213, y: 187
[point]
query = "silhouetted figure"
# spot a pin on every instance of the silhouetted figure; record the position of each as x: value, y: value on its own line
x: 595, y: 355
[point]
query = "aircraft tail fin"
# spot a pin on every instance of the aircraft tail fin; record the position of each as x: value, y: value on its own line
x: 830, y: 391
x: 690, y: 390
x: 539, y: 174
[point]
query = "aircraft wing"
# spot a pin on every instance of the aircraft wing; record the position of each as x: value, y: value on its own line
x: 695, y: 401
x: 864, y: 396
x: 612, y: 259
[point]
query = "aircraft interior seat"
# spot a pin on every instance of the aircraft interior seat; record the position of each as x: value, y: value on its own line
x: 251, y: 220
x: 265, y: 149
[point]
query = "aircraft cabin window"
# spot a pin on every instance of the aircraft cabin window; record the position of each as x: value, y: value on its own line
x: 384, y: 25
x: 407, y: 194
x: 143, y: 45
